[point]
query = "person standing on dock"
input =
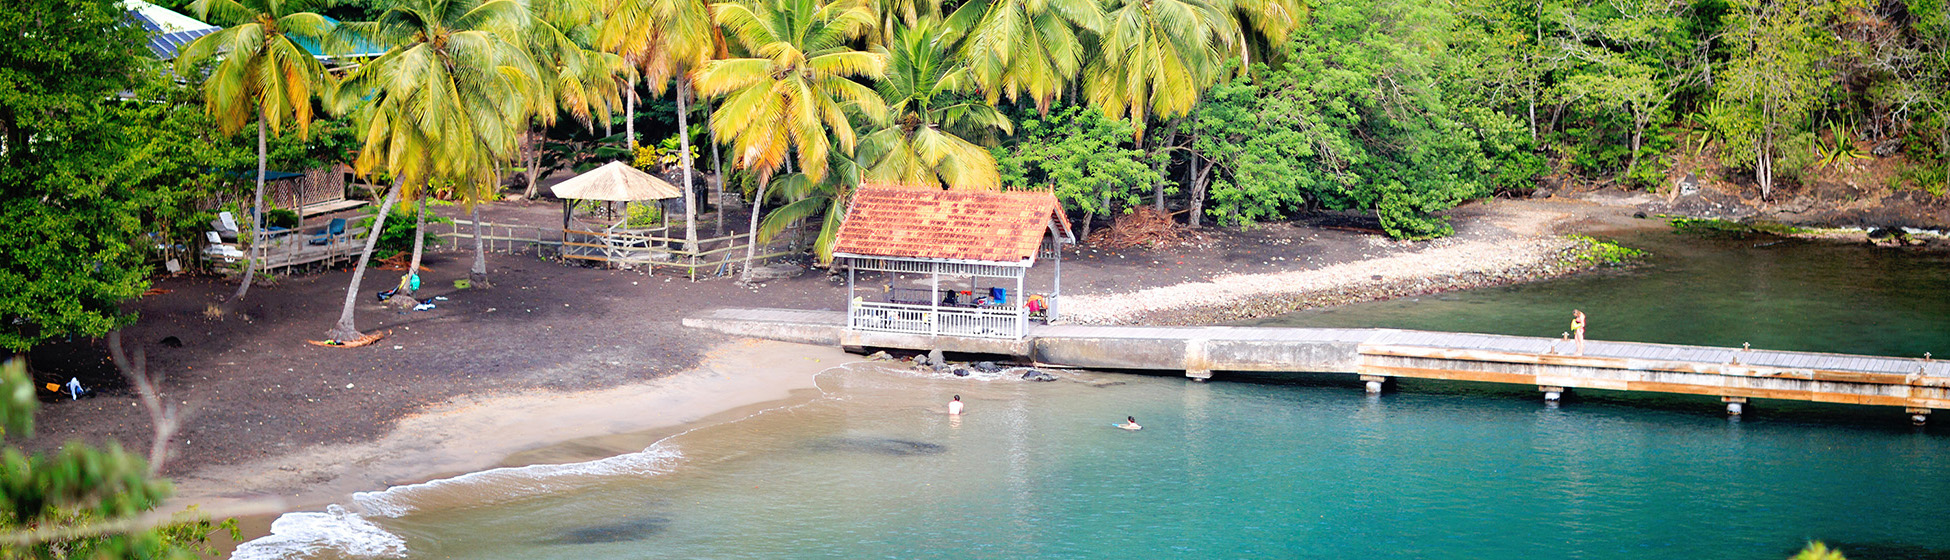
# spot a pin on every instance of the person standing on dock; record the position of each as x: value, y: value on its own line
x: 1577, y: 329
x: 954, y: 406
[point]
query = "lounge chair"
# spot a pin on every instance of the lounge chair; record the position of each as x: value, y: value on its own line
x: 218, y: 249
x: 332, y: 232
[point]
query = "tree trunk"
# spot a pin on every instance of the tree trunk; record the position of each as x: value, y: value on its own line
x: 257, y: 221
x: 717, y: 168
x: 531, y: 159
x: 1197, y: 213
x: 629, y: 120
x: 345, y: 330
x: 684, y: 149
x: 751, y: 247
x: 419, y: 239
x: 477, y: 275
x: 1638, y: 133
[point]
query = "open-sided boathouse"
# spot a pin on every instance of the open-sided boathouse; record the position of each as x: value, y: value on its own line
x: 1919, y: 385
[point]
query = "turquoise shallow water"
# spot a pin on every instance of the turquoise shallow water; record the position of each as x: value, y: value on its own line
x: 1273, y: 467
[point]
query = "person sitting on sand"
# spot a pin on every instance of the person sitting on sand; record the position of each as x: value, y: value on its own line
x: 1130, y: 423
x: 954, y: 406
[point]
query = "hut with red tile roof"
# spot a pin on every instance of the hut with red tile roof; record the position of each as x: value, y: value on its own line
x: 970, y: 245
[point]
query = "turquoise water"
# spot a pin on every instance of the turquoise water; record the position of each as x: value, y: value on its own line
x: 1715, y: 291
x: 1271, y: 467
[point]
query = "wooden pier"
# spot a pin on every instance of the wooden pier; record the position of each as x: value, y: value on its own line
x: 1378, y: 355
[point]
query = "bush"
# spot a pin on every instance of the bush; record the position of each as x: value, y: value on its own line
x: 398, y: 236
x: 280, y: 218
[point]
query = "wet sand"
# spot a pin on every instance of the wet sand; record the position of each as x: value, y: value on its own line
x: 476, y: 433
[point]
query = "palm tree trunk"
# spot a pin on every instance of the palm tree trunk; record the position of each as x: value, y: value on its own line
x: 629, y: 120
x: 717, y: 167
x: 257, y: 221
x: 345, y: 330
x: 478, y: 274
x: 531, y: 159
x: 419, y: 239
x: 751, y: 249
x: 684, y: 148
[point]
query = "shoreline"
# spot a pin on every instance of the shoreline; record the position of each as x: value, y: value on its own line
x: 473, y: 434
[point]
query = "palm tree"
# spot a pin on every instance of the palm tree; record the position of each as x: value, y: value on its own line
x: 446, y: 102
x: 793, y: 95
x: 666, y: 39
x: 928, y: 98
x: 812, y: 199
x: 1024, y: 47
x: 263, y: 73
x: 1154, y: 57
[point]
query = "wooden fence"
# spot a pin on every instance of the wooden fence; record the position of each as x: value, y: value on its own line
x: 647, y: 248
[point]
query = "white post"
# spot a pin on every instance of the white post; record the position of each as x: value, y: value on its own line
x: 850, y: 311
x: 934, y: 298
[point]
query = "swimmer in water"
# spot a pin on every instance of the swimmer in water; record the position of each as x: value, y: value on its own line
x: 954, y: 406
x: 1130, y: 423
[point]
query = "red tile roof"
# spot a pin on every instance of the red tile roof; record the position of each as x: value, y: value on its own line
x: 921, y: 222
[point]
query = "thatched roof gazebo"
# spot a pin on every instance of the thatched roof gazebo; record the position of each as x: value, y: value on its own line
x: 954, y: 233
x: 613, y: 182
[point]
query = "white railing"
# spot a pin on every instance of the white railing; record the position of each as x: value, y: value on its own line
x: 982, y: 322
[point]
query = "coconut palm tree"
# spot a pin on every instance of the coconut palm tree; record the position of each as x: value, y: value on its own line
x: 263, y: 73
x: 825, y: 199
x: 665, y: 39
x: 1154, y: 57
x: 933, y: 115
x: 794, y: 92
x: 1024, y: 47
x: 447, y: 101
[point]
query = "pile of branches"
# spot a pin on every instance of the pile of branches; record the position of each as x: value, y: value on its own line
x: 1143, y: 227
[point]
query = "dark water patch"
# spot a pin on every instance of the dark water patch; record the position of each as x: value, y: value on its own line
x: 622, y: 531
x: 892, y: 447
x: 1887, y: 551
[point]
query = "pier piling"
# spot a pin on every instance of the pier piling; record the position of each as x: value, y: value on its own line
x: 1735, y: 405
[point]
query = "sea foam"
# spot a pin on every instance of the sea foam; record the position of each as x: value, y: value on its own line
x: 349, y: 534
x: 306, y: 533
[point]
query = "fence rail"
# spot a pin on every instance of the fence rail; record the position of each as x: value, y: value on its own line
x: 648, y: 248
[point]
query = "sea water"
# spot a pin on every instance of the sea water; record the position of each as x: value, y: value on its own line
x: 1273, y: 466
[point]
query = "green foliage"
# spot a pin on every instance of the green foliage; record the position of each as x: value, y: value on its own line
x: 1086, y: 157
x: 1600, y: 252
x: 644, y: 214
x: 1358, y: 118
x: 1818, y: 551
x: 398, y: 236
x: 85, y: 179
x: 1929, y: 177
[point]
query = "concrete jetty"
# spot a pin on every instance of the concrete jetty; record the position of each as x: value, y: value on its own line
x: 1918, y: 385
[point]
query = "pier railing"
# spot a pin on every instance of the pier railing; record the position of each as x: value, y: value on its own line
x: 980, y: 322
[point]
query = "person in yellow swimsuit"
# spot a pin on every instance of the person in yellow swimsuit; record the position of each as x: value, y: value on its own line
x: 1577, y: 329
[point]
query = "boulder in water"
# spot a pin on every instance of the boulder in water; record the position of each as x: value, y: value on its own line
x: 961, y: 372
x: 1037, y: 375
x: 987, y: 367
x: 934, y: 357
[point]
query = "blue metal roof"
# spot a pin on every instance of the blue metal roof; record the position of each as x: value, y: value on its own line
x: 168, y: 31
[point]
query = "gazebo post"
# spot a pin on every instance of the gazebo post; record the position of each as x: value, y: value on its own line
x: 1022, y: 313
x: 1056, y: 289
x: 934, y: 299
x: 849, y: 293
x: 566, y: 205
